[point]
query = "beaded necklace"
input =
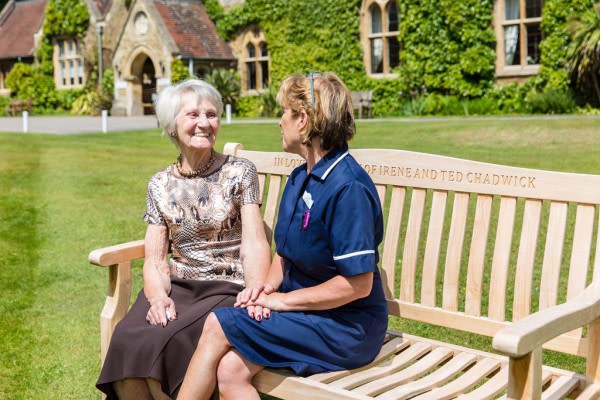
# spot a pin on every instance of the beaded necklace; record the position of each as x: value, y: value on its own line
x: 197, y: 172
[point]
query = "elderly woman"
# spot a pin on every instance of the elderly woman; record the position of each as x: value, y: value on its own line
x: 323, y: 302
x: 208, y: 205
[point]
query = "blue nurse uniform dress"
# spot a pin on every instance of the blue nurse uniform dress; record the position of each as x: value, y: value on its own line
x: 339, y: 237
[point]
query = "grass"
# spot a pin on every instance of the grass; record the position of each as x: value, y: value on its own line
x: 62, y: 196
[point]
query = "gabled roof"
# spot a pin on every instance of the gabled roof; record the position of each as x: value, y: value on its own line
x: 19, y: 21
x: 192, y: 30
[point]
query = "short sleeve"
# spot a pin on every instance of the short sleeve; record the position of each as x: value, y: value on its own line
x: 153, y: 215
x: 250, y: 186
x: 355, y: 230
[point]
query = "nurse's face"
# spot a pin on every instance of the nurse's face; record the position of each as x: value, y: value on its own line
x: 290, y: 131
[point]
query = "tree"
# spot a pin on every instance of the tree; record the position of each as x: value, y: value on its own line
x: 583, y: 54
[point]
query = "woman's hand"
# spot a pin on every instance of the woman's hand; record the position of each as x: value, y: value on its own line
x: 248, y: 296
x: 157, y: 314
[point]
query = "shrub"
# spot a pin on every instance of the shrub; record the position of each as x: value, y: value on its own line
x: 247, y: 106
x: 551, y: 101
x: 267, y: 104
x: 91, y: 103
x: 65, y: 98
x: 179, y: 72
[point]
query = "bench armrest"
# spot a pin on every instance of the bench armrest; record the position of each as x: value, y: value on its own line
x: 117, y: 254
x: 526, y: 335
x: 118, y: 260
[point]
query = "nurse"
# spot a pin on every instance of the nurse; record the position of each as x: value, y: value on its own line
x: 322, y: 306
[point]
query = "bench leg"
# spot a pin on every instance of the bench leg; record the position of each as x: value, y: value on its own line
x: 525, y: 376
x: 117, y: 302
x: 593, y: 353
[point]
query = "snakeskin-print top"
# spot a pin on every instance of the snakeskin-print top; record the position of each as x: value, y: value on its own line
x: 203, y: 218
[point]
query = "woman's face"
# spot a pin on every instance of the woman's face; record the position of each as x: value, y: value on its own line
x: 197, y: 123
x: 290, y: 131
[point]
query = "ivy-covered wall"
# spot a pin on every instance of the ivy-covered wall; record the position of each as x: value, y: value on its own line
x: 556, y: 17
x: 63, y: 18
x: 302, y: 35
x: 448, y: 46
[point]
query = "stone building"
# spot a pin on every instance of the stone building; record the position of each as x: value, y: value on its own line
x: 155, y: 32
x: 140, y: 38
x: 20, y: 26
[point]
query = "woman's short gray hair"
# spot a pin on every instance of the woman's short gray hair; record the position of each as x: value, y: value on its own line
x: 168, y: 103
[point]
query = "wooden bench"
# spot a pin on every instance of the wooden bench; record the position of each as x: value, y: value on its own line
x: 362, y: 100
x: 17, y: 106
x: 504, y: 252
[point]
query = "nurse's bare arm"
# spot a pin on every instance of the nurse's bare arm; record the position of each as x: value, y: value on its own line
x: 333, y: 293
x: 157, y: 281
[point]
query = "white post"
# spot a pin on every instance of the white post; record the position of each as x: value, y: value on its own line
x: 228, y: 113
x: 25, y: 121
x: 104, y: 121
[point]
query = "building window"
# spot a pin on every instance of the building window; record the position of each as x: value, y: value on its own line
x: 257, y: 66
x: 68, y: 64
x: 253, y: 66
x: 384, y: 47
x: 519, y: 35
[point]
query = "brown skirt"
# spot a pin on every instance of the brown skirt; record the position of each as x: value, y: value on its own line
x: 140, y: 350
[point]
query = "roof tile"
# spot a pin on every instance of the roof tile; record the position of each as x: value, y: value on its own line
x: 192, y: 30
x: 18, y: 27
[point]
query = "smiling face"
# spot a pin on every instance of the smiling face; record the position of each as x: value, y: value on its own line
x: 197, y: 123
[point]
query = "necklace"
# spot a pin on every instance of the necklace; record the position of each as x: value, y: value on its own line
x: 197, y: 172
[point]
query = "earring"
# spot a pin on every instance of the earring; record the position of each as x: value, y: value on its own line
x: 173, y: 134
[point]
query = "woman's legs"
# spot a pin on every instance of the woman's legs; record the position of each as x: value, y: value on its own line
x: 139, y: 389
x: 234, y: 375
x: 201, y: 376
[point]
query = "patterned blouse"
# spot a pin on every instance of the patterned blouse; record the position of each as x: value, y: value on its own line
x: 203, y: 218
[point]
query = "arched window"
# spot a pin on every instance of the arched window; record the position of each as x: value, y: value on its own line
x: 384, y: 47
x: 519, y: 36
x: 254, y: 61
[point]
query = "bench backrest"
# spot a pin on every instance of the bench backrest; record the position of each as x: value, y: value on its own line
x: 470, y: 245
x: 363, y: 96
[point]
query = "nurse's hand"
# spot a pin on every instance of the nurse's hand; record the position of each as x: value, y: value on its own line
x: 258, y: 312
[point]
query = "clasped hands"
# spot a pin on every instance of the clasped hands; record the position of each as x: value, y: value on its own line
x: 260, y: 300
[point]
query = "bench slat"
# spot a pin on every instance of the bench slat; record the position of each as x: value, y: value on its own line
x: 455, y: 366
x: 393, y: 382
x: 580, y: 255
x: 553, y: 254
x: 414, y: 352
x: 390, y: 348
x: 490, y: 389
x: 526, y: 259
x: 390, y: 247
x: 560, y: 388
x: 272, y: 201
x: 500, y: 263
x: 465, y: 382
x: 411, y: 245
x: 433, y: 244
x: 481, y: 228
x: 456, y: 240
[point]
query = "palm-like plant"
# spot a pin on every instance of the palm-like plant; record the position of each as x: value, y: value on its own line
x: 583, y: 55
x: 227, y: 82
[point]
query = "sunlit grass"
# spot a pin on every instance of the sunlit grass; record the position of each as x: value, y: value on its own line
x: 62, y: 196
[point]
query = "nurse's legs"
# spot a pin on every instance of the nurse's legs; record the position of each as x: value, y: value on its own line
x: 234, y: 375
x: 200, y: 379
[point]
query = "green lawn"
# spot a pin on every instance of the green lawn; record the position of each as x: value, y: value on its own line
x: 62, y: 196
